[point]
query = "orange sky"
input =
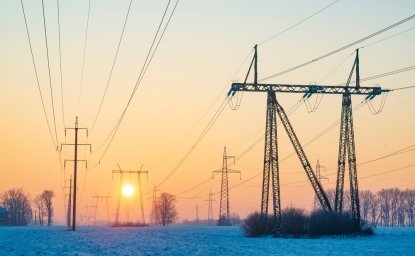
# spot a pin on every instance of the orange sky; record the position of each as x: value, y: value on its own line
x: 204, y: 45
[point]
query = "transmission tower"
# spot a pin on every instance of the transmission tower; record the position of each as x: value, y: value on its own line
x: 139, y: 172
x: 210, y: 208
x: 97, y: 198
x: 75, y: 163
x: 197, y: 215
x: 154, y: 210
x: 271, y: 148
x: 224, y: 216
x: 88, y: 215
x: 347, y: 150
x: 319, y: 178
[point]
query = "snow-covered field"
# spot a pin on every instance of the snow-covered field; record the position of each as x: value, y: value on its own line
x: 182, y: 240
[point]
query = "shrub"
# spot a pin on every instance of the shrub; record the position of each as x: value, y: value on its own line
x: 293, y: 221
x: 257, y: 225
x: 296, y: 222
x: 325, y: 223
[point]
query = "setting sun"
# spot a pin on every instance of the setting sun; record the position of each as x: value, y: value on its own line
x: 128, y: 190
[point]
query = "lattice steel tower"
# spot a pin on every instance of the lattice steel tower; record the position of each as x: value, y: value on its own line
x: 271, y: 146
x: 347, y: 150
x: 224, y: 215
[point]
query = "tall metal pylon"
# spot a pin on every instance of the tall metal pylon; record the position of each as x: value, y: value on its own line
x: 224, y: 214
x: 139, y: 172
x: 155, y: 219
x: 210, y: 208
x: 97, y: 198
x: 271, y: 162
x: 319, y: 178
x: 271, y: 149
x: 75, y: 161
x: 347, y: 150
x: 197, y: 215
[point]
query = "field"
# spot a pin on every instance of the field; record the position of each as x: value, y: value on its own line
x: 183, y: 240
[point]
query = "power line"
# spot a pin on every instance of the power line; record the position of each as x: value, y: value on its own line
x: 337, y: 50
x: 115, y: 129
x: 37, y: 76
x: 389, y: 171
x: 60, y: 64
x: 272, y: 37
x: 210, y: 123
x: 210, y: 106
x: 386, y: 38
x: 291, y: 154
x: 147, y: 62
x: 397, y: 152
x: 401, y: 151
x: 403, y: 88
x: 291, y: 110
x: 83, y: 58
x: 50, y: 80
x: 198, y: 140
x: 112, y: 67
x: 298, y: 23
x: 158, y: 43
x: 389, y: 73
x: 373, y: 43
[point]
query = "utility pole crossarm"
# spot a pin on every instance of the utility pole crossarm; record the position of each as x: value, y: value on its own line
x: 307, y: 90
x: 75, y: 161
x: 229, y: 171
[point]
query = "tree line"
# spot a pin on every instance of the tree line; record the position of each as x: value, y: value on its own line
x: 390, y: 207
x: 21, y: 211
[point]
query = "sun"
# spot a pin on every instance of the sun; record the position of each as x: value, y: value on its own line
x: 128, y: 190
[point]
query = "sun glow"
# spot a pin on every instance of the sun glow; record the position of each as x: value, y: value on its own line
x: 128, y: 190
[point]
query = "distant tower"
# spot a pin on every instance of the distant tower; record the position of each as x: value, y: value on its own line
x: 319, y: 178
x: 224, y: 216
x: 210, y: 208
x: 197, y: 215
x: 154, y: 210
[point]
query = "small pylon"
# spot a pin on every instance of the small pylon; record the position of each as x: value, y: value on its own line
x: 224, y: 215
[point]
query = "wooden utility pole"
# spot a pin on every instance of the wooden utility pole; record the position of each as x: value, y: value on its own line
x: 75, y: 161
x: 68, y: 212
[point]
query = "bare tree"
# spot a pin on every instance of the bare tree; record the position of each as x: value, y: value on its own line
x: 385, y: 199
x: 166, y: 206
x: 331, y: 194
x: 409, y: 206
x: 17, y: 205
x: 235, y: 219
x: 47, y: 196
x: 365, y: 204
x: 39, y: 206
x: 155, y: 215
x: 373, y: 209
x: 394, y: 203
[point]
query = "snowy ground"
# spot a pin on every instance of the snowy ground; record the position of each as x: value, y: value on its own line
x: 180, y: 240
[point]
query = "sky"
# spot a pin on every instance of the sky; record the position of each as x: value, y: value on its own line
x: 207, y: 46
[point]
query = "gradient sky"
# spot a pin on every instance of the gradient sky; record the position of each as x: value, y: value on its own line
x: 205, y: 44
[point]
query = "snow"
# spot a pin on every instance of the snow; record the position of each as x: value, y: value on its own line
x: 185, y: 240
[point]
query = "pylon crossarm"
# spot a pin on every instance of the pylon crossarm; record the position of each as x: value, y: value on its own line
x: 307, y: 90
